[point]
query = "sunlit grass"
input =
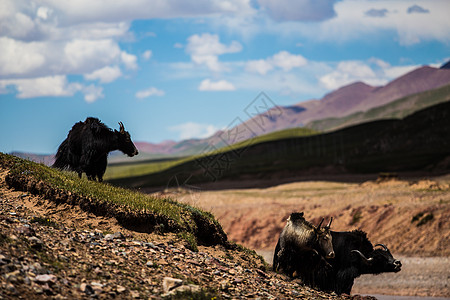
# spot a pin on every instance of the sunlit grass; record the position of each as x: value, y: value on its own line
x: 115, y: 199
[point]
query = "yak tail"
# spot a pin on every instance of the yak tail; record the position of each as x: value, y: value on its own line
x: 61, y: 158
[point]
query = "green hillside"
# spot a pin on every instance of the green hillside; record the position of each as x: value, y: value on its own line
x: 413, y: 143
x: 140, y: 168
x: 394, y: 110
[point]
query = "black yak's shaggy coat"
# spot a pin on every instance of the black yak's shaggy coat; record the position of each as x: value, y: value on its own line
x: 355, y: 256
x: 301, y: 247
x: 87, y: 146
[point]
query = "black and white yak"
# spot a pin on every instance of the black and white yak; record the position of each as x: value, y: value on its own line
x: 86, y: 148
x: 302, y: 247
x: 354, y: 256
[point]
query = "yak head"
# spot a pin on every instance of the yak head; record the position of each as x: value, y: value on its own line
x: 379, y: 261
x: 324, y: 239
x: 125, y: 143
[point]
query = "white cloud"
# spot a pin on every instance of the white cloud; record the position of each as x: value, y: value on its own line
x: 352, y: 21
x: 42, y: 86
x: 128, y: 10
x: 47, y: 40
x: 83, y: 56
x: 44, y: 12
x: 374, y: 72
x: 147, y: 54
x: 204, y: 50
x: 348, y: 72
x: 260, y: 66
x: 19, y: 58
x: 92, y: 93
x: 51, y: 86
x: 283, y: 60
x: 105, y: 75
x: 152, y: 91
x: 190, y: 130
x: 299, y: 10
x: 287, y: 61
x: 129, y: 60
x: 221, y: 85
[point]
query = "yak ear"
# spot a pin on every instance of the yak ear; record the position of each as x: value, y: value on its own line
x: 364, y: 259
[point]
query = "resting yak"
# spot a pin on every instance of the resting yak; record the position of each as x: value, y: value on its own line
x: 87, y: 146
x: 301, y: 247
x: 354, y: 256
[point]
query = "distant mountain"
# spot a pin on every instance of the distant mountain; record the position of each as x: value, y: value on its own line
x: 446, y: 65
x: 356, y: 97
x: 397, y: 109
x: 418, y: 142
x: 163, y: 147
x: 46, y: 159
x: 351, y: 99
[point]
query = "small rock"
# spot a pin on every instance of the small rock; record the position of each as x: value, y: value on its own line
x: 4, y: 260
x: 11, y: 288
x: 35, y: 243
x: 12, y: 276
x: 115, y: 236
x: 184, y: 288
x: 87, y: 289
x: 134, y: 294
x: 171, y: 283
x: 25, y: 230
x: 97, y: 287
x: 120, y: 289
x: 46, y: 278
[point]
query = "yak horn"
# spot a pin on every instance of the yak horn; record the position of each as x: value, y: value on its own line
x: 329, y: 223
x: 320, y: 224
x: 122, y: 128
x: 364, y: 258
x: 382, y: 245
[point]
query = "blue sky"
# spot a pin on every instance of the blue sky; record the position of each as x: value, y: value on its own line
x: 180, y: 69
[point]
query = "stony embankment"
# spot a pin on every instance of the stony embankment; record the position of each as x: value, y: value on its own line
x: 51, y: 251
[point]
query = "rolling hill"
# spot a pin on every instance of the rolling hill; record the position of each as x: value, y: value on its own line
x: 355, y: 98
x: 417, y: 142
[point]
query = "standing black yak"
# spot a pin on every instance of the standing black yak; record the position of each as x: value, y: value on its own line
x: 301, y: 247
x: 355, y: 256
x: 87, y: 146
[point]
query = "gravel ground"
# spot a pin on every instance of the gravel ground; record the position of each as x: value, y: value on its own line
x: 419, y: 277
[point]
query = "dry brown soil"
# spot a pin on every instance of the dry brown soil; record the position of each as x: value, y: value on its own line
x: 410, y: 216
x: 58, y: 251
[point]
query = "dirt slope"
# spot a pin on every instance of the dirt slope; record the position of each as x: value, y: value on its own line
x: 410, y: 216
x: 50, y: 251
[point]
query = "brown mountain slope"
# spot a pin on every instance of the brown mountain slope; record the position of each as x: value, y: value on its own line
x: 419, y: 80
x: 342, y: 102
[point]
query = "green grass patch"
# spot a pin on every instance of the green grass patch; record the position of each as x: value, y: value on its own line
x: 134, y: 169
x: 134, y: 210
